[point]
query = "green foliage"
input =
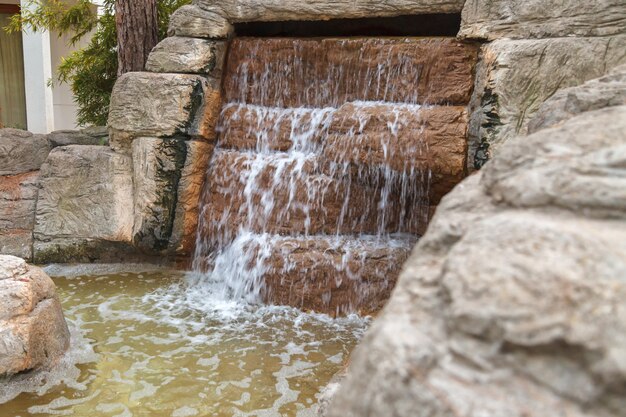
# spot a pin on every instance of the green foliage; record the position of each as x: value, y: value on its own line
x: 90, y: 71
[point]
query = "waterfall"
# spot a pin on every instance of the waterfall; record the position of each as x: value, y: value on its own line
x: 321, y: 179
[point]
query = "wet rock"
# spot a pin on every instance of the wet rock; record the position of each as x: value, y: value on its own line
x: 21, y: 151
x: 187, y: 55
x: 192, y: 178
x: 86, y: 195
x: 195, y: 22
x: 162, y: 105
x: 493, y: 19
x: 402, y: 138
x: 279, y: 10
x: 18, y: 198
x: 515, y: 77
x: 322, y: 71
x: 277, y: 194
x: 513, y: 303
x: 33, y: 332
x: 157, y: 165
x: 607, y: 91
x: 335, y: 276
x: 73, y: 137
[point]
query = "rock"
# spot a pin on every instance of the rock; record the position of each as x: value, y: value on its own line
x: 183, y: 238
x: 434, y: 71
x: 493, y: 19
x: 162, y: 105
x: 320, y: 273
x: 607, y: 91
x: 21, y: 151
x: 273, y: 193
x: 514, y: 77
x: 280, y: 10
x: 73, y: 137
x: 514, y: 302
x: 33, y: 332
x: 367, y: 136
x: 18, y: 198
x: 157, y: 165
x: 195, y: 22
x: 86, y: 195
x: 188, y: 55
x: 17, y: 242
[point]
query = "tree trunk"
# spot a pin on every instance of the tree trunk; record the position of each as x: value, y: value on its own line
x: 137, y: 33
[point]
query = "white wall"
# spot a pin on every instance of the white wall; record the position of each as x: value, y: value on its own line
x: 47, y: 108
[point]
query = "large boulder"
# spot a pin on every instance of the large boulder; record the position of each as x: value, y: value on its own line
x: 33, y: 332
x: 162, y: 105
x: 514, y: 77
x: 21, y: 151
x: 514, y: 302
x: 85, y: 199
x: 492, y: 19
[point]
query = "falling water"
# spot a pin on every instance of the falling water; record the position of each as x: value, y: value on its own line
x: 322, y: 174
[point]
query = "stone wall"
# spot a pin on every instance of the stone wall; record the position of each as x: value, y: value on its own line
x: 162, y: 121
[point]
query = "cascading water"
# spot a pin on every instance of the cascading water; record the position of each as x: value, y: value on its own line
x: 321, y: 181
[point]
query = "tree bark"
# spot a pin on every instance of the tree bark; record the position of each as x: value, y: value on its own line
x: 137, y: 33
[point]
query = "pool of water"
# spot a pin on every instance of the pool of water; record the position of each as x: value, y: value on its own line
x: 154, y: 344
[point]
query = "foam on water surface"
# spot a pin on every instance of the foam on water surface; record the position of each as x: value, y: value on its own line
x: 155, y: 344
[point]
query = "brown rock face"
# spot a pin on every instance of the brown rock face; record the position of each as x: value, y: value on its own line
x: 278, y: 193
x: 326, y: 148
x: 330, y: 72
x: 334, y: 275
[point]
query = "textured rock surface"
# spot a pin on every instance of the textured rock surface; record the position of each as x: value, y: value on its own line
x: 157, y: 165
x: 187, y: 55
x: 74, y: 137
x: 492, y: 19
x: 330, y: 72
x: 86, y: 195
x: 333, y: 275
x: 513, y: 303
x: 365, y: 136
x: 276, y: 10
x: 162, y: 105
x: 190, y: 185
x: 607, y: 91
x: 516, y: 76
x: 33, y: 332
x: 303, y: 200
x: 21, y: 151
x: 196, y: 22
x: 18, y: 198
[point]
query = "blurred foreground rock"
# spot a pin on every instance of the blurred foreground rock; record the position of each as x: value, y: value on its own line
x: 33, y: 332
x: 514, y: 302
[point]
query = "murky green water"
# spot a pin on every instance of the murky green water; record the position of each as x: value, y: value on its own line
x: 162, y: 349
